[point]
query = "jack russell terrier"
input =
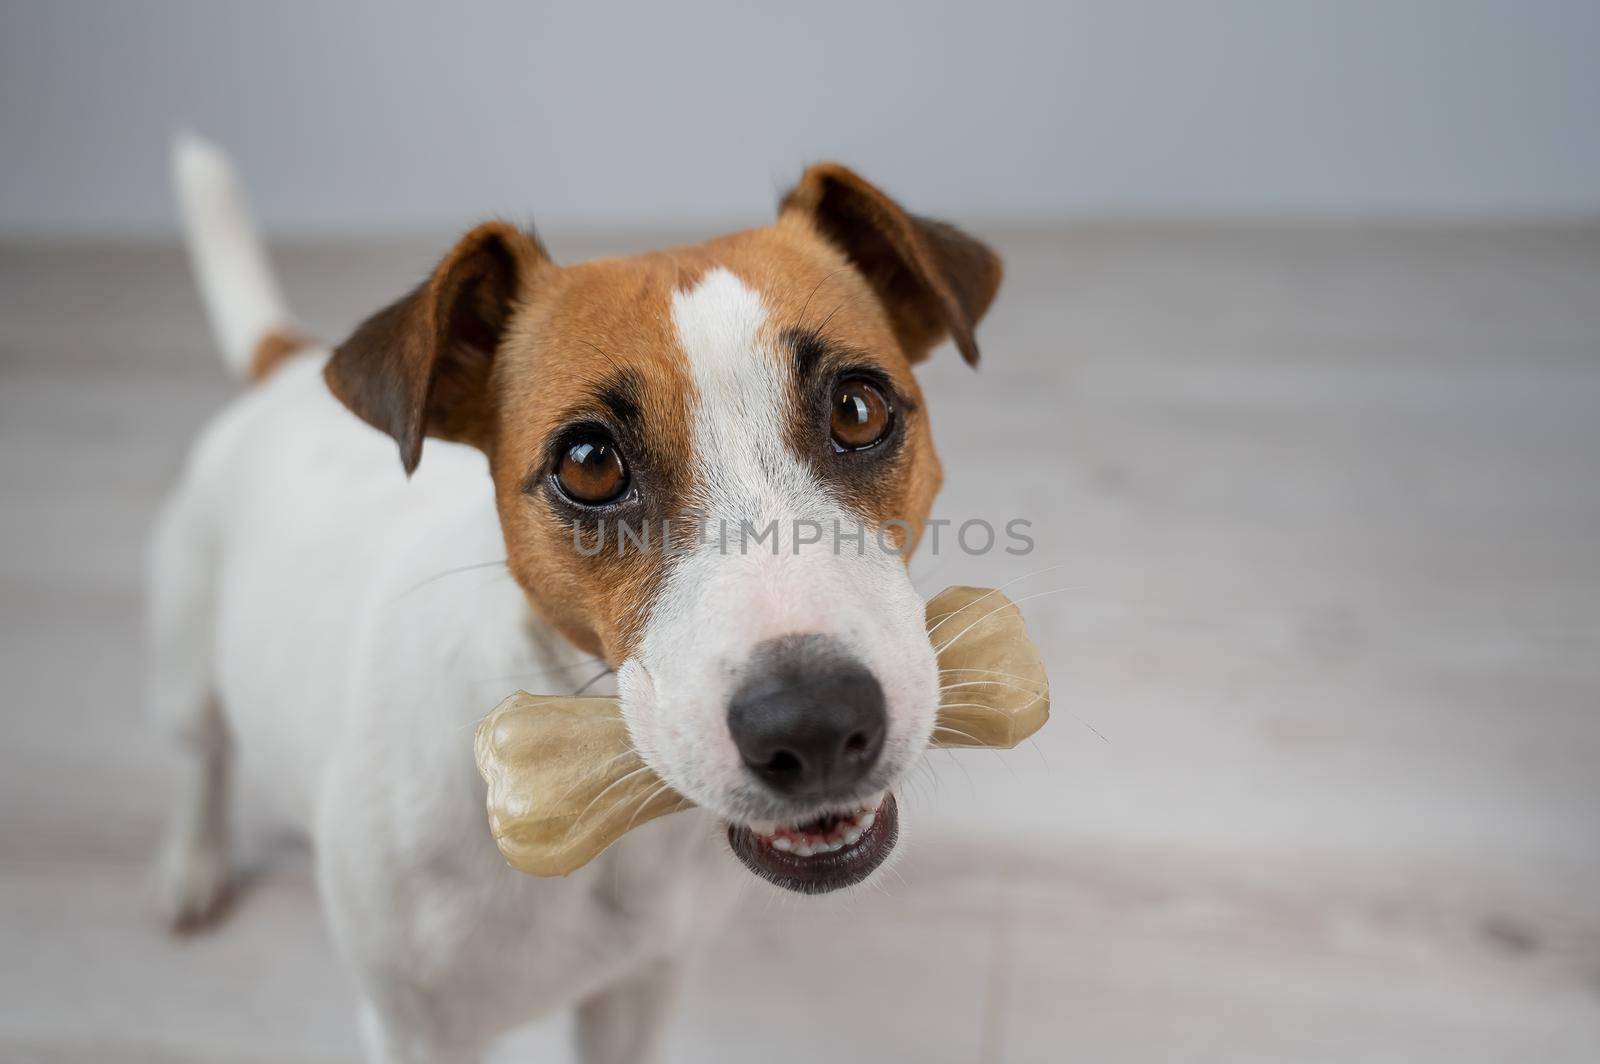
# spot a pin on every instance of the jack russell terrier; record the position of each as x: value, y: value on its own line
x: 313, y: 599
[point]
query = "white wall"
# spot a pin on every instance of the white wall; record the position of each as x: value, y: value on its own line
x: 350, y: 117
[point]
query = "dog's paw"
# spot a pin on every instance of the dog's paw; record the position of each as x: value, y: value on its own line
x: 191, y: 884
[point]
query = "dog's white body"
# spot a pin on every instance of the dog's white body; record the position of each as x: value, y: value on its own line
x: 303, y: 581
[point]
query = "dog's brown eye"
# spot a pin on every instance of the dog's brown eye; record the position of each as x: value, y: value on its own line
x: 861, y: 414
x: 592, y: 471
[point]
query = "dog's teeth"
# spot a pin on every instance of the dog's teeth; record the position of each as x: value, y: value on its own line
x: 844, y: 830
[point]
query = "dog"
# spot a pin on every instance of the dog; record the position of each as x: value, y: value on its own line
x: 346, y: 613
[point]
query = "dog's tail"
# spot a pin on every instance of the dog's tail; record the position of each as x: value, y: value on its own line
x: 247, y: 310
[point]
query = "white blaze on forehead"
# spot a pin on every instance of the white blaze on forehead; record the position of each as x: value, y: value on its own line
x: 720, y: 600
x: 743, y: 468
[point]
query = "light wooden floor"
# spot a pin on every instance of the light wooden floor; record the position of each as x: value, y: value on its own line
x: 1326, y: 507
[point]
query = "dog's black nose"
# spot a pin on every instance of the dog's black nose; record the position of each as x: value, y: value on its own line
x: 808, y: 718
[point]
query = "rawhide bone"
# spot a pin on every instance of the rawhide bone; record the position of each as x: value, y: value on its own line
x: 565, y: 782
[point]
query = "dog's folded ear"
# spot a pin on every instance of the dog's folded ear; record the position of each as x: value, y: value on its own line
x: 420, y: 366
x: 933, y: 279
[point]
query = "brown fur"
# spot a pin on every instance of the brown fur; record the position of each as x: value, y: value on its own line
x: 420, y: 366
x: 933, y: 279
x: 275, y: 347
x: 504, y: 350
x: 590, y: 323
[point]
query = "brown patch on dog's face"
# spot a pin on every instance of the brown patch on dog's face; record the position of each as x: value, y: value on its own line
x: 596, y: 351
x: 505, y: 350
x: 593, y: 354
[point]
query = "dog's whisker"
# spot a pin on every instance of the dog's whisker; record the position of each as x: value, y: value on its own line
x: 994, y: 591
x: 1021, y: 688
x: 948, y: 730
x: 448, y: 572
x: 976, y: 742
x: 933, y: 774
x: 604, y: 791
x: 1029, y: 685
x: 518, y: 677
x: 1015, y: 686
x: 941, y: 648
x: 1034, y: 695
x: 996, y: 710
x: 986, y: 672
x: 596, y: 678
x: 597, y: 349
x: 1098, y: 734
x: 922, y: 775
x: 947, y: 644
x: 652, y: 796
x: 1033, y: 688
x: 848, y: 300
x: 830, y: 275
x: 618, y: 756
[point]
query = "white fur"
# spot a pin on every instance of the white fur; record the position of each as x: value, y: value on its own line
x: 296, y: 581
x: 301, y: 614
x: 235, y: 276
x: 719, y: 602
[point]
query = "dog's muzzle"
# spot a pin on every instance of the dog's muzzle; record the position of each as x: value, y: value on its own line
x: 809, y: 722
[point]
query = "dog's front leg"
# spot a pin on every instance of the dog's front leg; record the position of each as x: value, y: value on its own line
x: 623, y: 1023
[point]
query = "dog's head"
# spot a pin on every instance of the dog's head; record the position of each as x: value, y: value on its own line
x: 710, y: 464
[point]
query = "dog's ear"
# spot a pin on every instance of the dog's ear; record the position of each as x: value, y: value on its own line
x: 420, y: 366
x: 933, y: 279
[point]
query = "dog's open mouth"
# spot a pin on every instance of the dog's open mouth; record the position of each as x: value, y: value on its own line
x: 828, y: 853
